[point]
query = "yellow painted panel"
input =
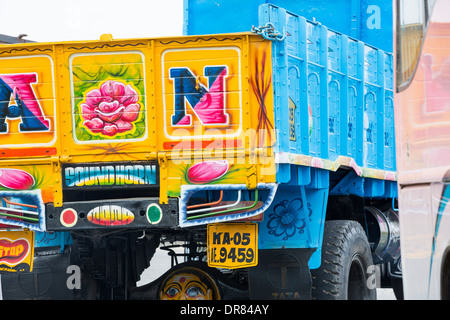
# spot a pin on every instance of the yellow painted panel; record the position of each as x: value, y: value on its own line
x: 27, y: 97
x: 195, y: 99
x: 108, y: 97
x: 201, y: 90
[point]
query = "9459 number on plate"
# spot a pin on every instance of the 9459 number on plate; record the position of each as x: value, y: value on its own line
x: 233, y: 245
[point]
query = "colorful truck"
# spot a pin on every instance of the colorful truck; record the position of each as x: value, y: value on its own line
x: 265, y: 153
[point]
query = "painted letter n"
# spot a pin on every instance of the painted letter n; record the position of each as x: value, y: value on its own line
x: 207, y: 104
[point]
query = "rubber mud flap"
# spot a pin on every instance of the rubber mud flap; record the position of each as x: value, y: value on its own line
x: 47, y: 281
x: 281, y: 274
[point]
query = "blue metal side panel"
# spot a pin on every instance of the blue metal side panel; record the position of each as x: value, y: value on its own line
x: 296, y: 216
x: 359, y: 85
x: 280, y: 77
x: 389, y: 129
x: 354, y: 100
x: 298, y: 103
x: 335, y: 92
x: 55, y: 239
x: 371, y: 103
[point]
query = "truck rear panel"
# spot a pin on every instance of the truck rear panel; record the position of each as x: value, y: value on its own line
x: 106, y: 133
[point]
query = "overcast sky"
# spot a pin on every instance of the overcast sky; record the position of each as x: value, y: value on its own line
x: 63, y: 20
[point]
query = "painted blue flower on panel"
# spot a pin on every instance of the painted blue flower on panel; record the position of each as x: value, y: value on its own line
x: 287, y: 218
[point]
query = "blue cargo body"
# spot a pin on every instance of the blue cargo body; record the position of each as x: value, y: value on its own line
x: 335, y: 92
x: 333, y: 107
x: 368, y: 21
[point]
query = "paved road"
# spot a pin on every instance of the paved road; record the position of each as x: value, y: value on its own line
x: 161, y: 263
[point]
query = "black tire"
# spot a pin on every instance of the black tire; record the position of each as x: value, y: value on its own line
x: 346, y: 257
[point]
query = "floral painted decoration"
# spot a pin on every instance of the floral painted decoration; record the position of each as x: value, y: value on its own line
x: 111, y: 109
x: 207, y: 171
x: 287, y: 218
x: 16, y: 179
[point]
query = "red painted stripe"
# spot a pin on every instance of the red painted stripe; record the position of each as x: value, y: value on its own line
x: 28, y: 152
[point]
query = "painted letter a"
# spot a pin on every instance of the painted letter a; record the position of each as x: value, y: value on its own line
x: 27, y: 104
x: 374, y: 21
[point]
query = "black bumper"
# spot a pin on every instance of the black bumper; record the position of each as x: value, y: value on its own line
x: 133, y: 213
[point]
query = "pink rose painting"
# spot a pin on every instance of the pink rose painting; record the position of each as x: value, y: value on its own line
x: 111, y: 109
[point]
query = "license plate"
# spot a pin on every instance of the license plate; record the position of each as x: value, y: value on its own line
x: 233, y: 245
x: 16, y: 251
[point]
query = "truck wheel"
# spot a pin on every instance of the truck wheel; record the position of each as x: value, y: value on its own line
x: 346, y: 257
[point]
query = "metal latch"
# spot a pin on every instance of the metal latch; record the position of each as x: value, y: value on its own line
x: 268, y: 32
